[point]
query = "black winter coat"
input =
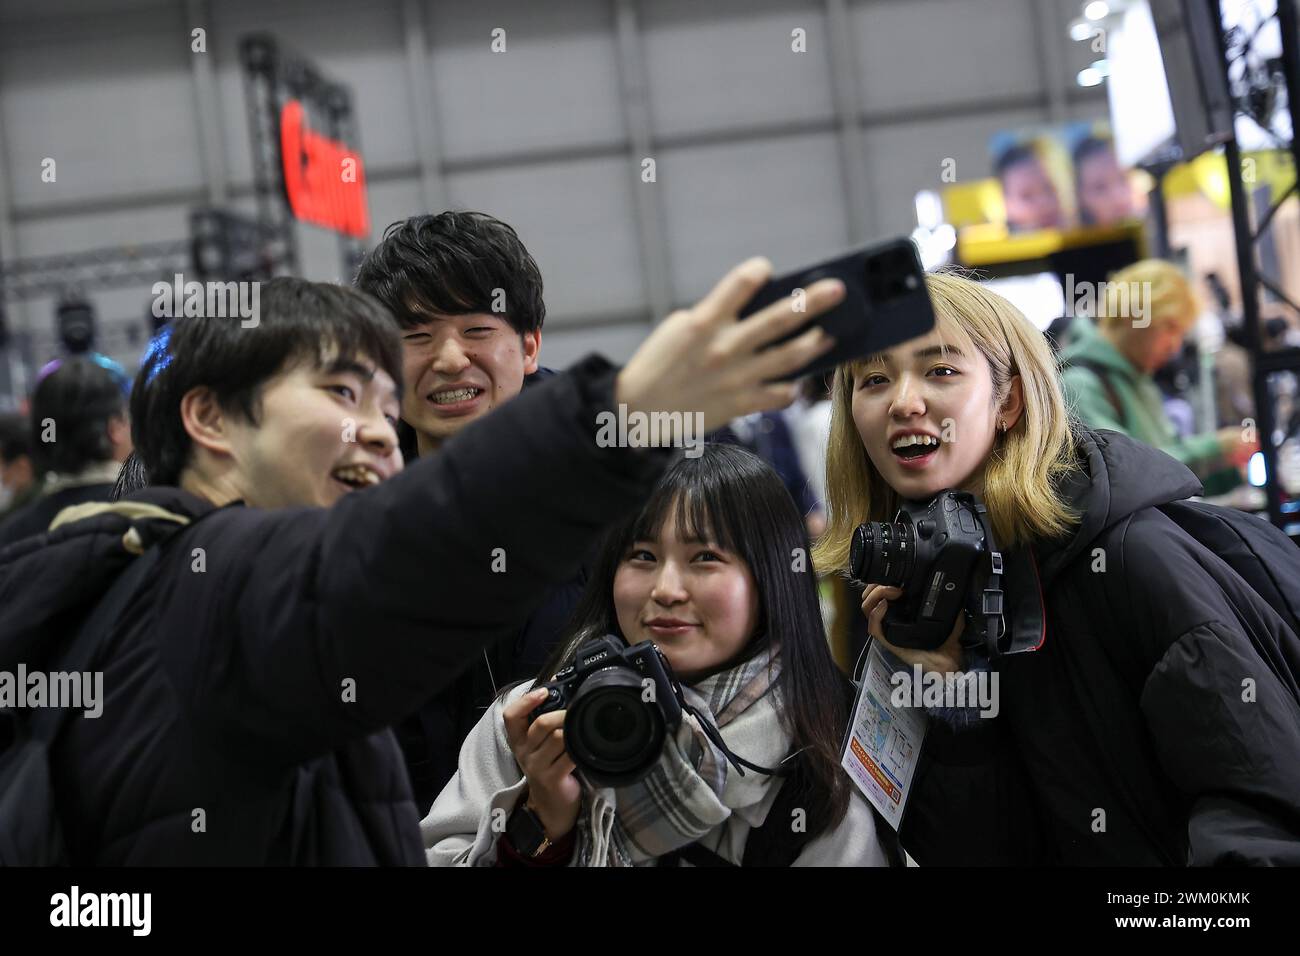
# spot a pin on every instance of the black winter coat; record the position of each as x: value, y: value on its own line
x: 1128, y: 738
x: 224, y: 688
x: 432, y: 736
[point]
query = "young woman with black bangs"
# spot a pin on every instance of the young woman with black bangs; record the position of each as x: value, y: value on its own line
x: 714, y: 571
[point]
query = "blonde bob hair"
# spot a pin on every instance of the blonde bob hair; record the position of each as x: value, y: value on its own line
x: 1158, y: 286
x: 1025, y: 463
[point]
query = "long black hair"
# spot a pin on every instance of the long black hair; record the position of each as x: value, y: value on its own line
x: 733, y: 498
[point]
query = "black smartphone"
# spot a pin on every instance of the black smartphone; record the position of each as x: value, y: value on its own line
x: 885, y: 301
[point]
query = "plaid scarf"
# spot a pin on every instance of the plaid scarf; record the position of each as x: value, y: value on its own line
x: 693, y: 790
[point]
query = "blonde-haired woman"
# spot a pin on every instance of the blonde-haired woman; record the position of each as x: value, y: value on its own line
x: 1124, y: 737
x: 1144, y: 311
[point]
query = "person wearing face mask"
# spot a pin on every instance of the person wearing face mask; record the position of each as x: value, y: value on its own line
x: 468, y: 297
x: 709, y: 572
x: 1143, y: 314
x: 1125, y: 738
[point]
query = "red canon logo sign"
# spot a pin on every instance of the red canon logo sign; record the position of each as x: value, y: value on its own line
x: 325, y: 180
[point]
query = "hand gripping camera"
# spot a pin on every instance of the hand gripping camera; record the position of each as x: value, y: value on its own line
x: 942, y: 554
x: 621, y: 702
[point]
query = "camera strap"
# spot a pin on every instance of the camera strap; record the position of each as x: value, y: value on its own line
x: 995, y: 624
x: 740, y: 763
x: 992, y: 600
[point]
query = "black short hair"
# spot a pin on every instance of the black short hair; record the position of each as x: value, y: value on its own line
x: 298, y: 321
x: 1088, y: 147
x: 454, y: 263
x: 15, y: 437
x: 1015, y: 155
x: 78, y: 398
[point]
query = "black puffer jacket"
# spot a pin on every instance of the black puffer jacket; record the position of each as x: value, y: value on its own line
x: 225, y: 687
x: 1129, y: 738
x: 431, y: 737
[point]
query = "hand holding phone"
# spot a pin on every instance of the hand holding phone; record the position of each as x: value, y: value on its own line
x: 885, y: 302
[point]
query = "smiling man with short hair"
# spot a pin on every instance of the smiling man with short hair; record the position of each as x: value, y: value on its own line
x: 468, y: 296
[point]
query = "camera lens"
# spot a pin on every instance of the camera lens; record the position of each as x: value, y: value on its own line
x: 882, y: 553
x: 610, y: 732
x: 614, y: 723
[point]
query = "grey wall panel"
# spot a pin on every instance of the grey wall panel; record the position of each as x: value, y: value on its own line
x: 319, y: 256
x: 929, y: 52
x: 779, y: 198
x: 1090, y: 111
x: 556, y: 84
x: 576, y: 220
x: 907, y: 158
x: 53, y: 235
x: 361, y: 50
x: 107, y: 96
x: 26, y: 11
x: 746, y: 149
x: 562, y: 347
x: 730, y: 65
x: 392, y: 200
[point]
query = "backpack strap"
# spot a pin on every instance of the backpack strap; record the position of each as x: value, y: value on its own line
x: 1108, y: 385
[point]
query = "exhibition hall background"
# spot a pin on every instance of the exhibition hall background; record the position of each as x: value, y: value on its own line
x: 757, y: 148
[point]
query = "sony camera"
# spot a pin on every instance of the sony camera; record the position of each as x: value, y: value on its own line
x: 941, y: 553
x: 621, y: 703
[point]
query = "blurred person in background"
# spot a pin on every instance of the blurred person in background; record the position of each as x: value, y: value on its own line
x: 1101, y: 185
x: 793, y: 442
x: 809, y: 419
x: 18, y: 480
x: 1027, y: 190
x: 769, y: 436
x: 80, y: 434
x: 1144, y: 312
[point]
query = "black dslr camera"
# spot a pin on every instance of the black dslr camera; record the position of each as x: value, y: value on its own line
x: 622, y: 702
x: 942, y: 554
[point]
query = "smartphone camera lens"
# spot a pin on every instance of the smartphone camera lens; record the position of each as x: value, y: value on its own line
x: 890, y: 275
